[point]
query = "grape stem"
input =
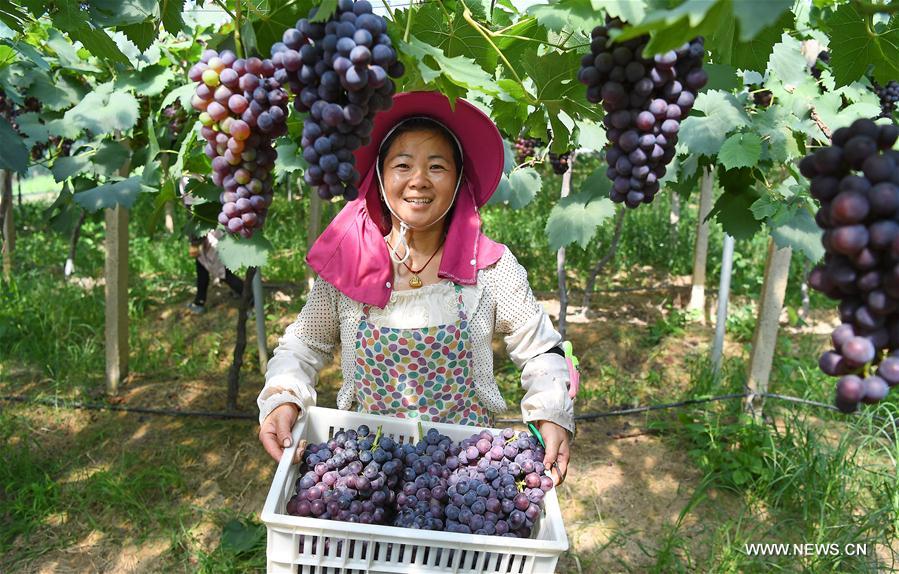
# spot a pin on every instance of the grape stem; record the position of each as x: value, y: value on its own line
x: 389, y: 11
x: 871, y: 8
x: 408, y: 25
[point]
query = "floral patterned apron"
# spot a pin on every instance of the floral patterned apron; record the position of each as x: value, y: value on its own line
x: 422, y: 373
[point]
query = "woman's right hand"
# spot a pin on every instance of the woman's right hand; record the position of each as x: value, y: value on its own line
x: 275, y: 432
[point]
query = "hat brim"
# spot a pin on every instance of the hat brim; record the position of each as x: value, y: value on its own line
x: 482, y: 144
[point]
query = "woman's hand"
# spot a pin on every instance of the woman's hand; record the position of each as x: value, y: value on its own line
x: 557, y: 450
x: 275, y: 432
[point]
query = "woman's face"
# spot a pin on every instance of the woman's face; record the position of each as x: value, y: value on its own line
x: 420, y: 177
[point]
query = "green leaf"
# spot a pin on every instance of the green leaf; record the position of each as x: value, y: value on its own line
x: 325, y: 10
x: 238, y: 537
x: 150, y: 81
x: 121, y: 13
x: 828, y: 109
x: 15, y: 154
x: 575, y: 219
x: 110, y: 157
x: 70, y: 18
x: 733, y: 208
x: 453, y: 36
x: 672, y: 28
x: 105, y: 110
x: 631, y: 11
x: 67, y: 54
x: 566, y: 15
x: 591, y: 135
x: 29, y: 52
x: 518, y: 189
x: 740, y: 150
x: 55, y: 94
x: 596, y: 184
x: 65, y: 167
x: 754, y: 54
x: 459, y: 70
x: 142, y: 34
x: 802, y: 234
x: 182, y: 94
x: 853, y: 48
x: 787, y: 64
x: 123, y: 192
x: 281, y: 15
x: 754, y: 16
x: 171, y: 15
x: 723, y: 113
x: 33, y: 128
x: 772, y: 124
x: 238, y: 254
x: 722, y: 77
x: 290, y: 157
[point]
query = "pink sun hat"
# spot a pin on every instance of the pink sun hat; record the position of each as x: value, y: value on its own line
x: 351, y: 253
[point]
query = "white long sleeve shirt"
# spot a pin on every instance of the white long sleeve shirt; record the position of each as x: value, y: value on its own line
x: 501, y: 302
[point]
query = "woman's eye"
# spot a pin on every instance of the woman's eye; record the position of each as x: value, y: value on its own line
x: 440, y: 166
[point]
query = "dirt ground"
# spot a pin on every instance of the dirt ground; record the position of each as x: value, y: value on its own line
x: 625, y: 486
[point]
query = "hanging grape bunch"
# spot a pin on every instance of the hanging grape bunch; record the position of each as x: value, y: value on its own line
x: 823, y: 58
x: 559, y: 162
x: 243, y: 109
x: 856, y: 182
x: 177, y: 117
x: 338, y: 71
x: 889, y: 96
x: 526, y: 148
x: 645, y: 101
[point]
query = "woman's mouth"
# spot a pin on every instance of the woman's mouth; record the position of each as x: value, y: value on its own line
x: 419, y: 202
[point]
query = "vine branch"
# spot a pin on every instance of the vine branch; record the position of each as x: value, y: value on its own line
x: 871, y: 8
x: 466, y: 13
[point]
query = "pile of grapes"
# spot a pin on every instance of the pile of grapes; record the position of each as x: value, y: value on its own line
x: 485, y: 484
x: 559, y: 163
x: 644, y: 100
x: 338, y: 71
x: 856, y: 181
x: 243, y: 109
x: 526, y: 148
x: 889, y: 97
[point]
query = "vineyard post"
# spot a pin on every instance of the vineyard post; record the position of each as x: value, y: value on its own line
x: 117, y: 287
x: 806, y: 300
x: 313, y: 230
x: 560, y: 254
x: 727, y: 260
x: 287, y: 184
x: 6, y: 214
x: 701, y: 249
x: 673, y: 221
x: 240, y: 344
x: 777, y: 270
x: 260, y: 320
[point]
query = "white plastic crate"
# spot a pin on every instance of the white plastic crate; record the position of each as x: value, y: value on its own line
x: 307, y: 545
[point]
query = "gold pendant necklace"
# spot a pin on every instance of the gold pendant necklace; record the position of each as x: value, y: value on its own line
x: 415, y: 281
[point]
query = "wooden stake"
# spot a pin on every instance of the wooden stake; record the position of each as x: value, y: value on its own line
x: 259, y: 309
x: 313, y: 229
x: 777, y: 270
x: 116, y: 297
x: 727, y: 260
x: 560, y: 254
x: 9, y: 228
x: 701, y: 249
x: 240, y: 344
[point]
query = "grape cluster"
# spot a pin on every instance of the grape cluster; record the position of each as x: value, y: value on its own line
x: 856, y: 182
x: 526, y: 148
x: 889, y: 97
x: 823, y: 58
x: 243, y: 109
x: 559, y: 162
x: 339, y: 73
x: 9, y: 110
x: 177, y: 117
x: 485, y: 484
x: 644, y: 99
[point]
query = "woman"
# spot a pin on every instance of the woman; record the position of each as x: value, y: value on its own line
x: 412, y: 291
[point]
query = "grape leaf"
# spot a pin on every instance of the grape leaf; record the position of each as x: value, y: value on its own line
x: 801, y: 233
x: 597, y: 184
x: 787, y: 64
x: 65, y: 167
x: 723, y: 113
x: 325, y: 10
x: 672, y: 28
x: 853, y: 47
x: 458, y: 70
x: 122, y: 13
x: 15, y: 154
x: 631, y: 11
x: 150, y: 81
x: 34, y: 129
x: 722, y: 77
x: 518, y: 189
x: 142, y: 34
x: 828, y: 109
x: 237, y: 254
x: 29, y: 52
x: 70, y: 18
x: 54, y: 93
x: 454, y: 36
x: 773, y: 125
x: 105, y: 110
x: 733, y: 208
x: 123, y: 192
x: 182, y: 94
x: 576, y: 218
x: 591, y: 135
x: 740, y: 150
x: 281, y: 15
x: 754, y: 54
x: 566, y: 15
x: 67, y: 54
x: 290, y: 157
x: 110, y: 157
x: 757, y: 15
x: 171, y: 15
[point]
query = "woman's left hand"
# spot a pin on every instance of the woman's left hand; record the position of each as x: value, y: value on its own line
x: 557, y: 449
